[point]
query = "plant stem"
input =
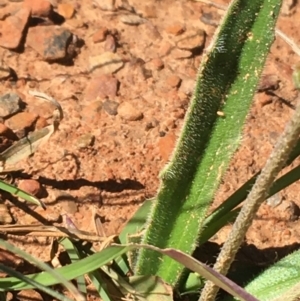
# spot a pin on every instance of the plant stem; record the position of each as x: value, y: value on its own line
x: 258, y: 194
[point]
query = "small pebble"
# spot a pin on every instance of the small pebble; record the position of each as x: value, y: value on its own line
x: 157, y: 64
x: 128, y: 112
x: 192, y: 40
x: 50, y: 42
x: 110, y: 44
x: 173, y: 81
x: 85, y: 141
x: 12, y: 28
x: 91, y: 114
x: 100, y: 35
x: 66, y: 10
x: 175, y: 29
x: 274, y: 200
x: 179, y: 54
x: 21, y: 121
x: 9, y: 104
x: 39, y: 8
x: 5, y: 216
x: 165, y: 48
x: 132, y: 19
x: 106, y: 4
x: 30, y: 186
x: 110, y: 107
x: 100, y: 87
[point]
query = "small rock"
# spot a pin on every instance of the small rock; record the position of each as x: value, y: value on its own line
x: 5, y: 216
x: 165, y: 48
x: 132, y: 19
x: 21, y: 123
x: 192, y: 41
x: 111, y: 107
x: 11, y: 29
x: 107, y: 62
x: 30, y: 186
x: 9, y: 104
x: 128, y: 112
x: 39, y: 8
x: 106, y: 4
x: 100, y: 35
x: 5, y: 70
x: 166, y: 145
x: 101, y: 86
x: 157, y: 64
x: 110, y: 44
x: 49, y: 41
x: 85, y: 141
x: 91, y: 114
x: 66, y: 10
x: 29, y: 294
x: 179, y: 54
x: 173, y: 81
x: 175, y: 29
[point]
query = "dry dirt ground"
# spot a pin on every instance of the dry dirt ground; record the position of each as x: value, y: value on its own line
x: 124, y: 84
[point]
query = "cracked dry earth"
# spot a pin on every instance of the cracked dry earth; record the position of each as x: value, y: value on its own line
x: 123, y: 72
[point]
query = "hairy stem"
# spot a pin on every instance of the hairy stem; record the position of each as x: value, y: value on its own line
x: 255, y: 198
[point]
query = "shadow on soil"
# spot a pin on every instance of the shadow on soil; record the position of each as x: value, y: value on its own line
x: 249, y: 261
x: 109, y: 186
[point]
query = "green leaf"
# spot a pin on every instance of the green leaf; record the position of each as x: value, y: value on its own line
x: 21, y: 194
x: 226, y: 83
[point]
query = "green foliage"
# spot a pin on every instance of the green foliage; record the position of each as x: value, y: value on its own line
x: 226, y: 83
x: 165, y: 240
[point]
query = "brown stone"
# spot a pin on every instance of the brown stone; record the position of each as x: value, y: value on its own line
x: 91, y: 114
x: 39, y: 8
x: 100, y: 87
x: 66, y: 10
x: 128, y: 112
x: 157, y: 64
x: 173, y: 81
x: 175, y: 29
x: 11, y: 29
x: 100, y: 34
x: 20, y: 121
x: 30, y: 186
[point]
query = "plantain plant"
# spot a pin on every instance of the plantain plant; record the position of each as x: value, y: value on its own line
x: 165, y: 231
x: 227, y: 80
